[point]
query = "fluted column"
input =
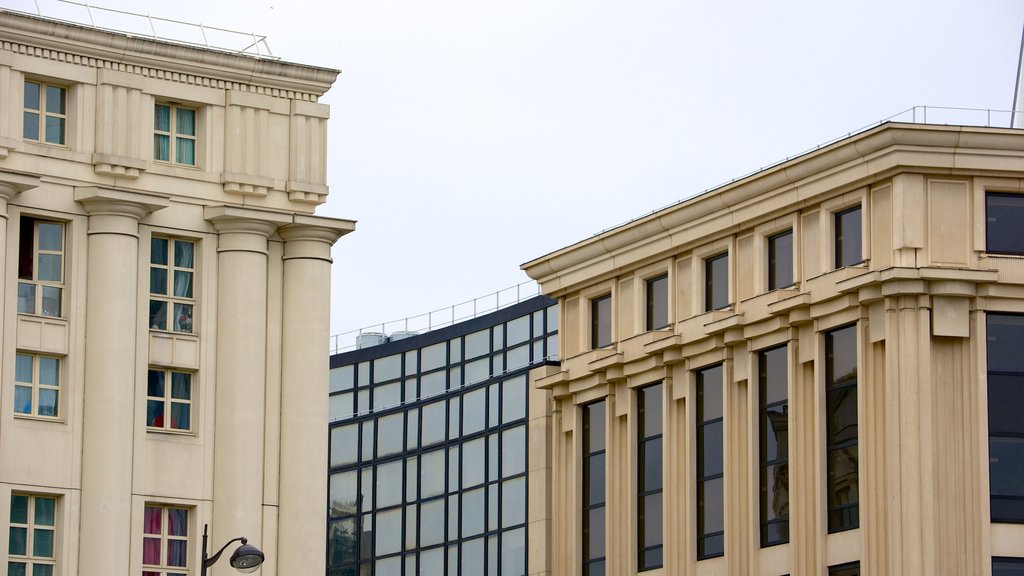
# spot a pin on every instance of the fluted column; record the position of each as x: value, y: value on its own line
x: 111, y: 327
x: 241, y: 371
x: 304, y: 361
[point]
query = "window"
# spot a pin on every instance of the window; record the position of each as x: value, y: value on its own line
x: 780, y: 260
x: 716, y: 282
x: 45, y: 116
x: 593, y: 489
x: 169, y: 400
x: 165, y: 541
x: 650, y: 542
x: 36, y: 385
x: 601, y: 322
x: 31, y: 550
x: 174, y: 134
x: 772, y: 381
x: 1007, y: 566
x: 1005, y: 426
x: 1003, y: 215
x: 40, y: 267
x: 848, y: 237
x: 710, y: 473
x: 841, y: 428
x: 171, y: 282
x: 657, y: 302
x: 848, y: 569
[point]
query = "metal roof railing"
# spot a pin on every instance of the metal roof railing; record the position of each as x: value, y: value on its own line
x: 439, y: 318
x: 145, y: 25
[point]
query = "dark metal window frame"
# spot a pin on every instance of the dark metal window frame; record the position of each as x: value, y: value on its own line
x: 988, y: 229
x: 651, y: 285
x: 995, y: 510
x: 597, y: 338
x: 709, y: 284
x: 644, y: 440
x: 764, y: 463
x: 589, y: 508
x: 851, y: 511
x: 844, y: 569
x: 774, y: 283
x: 702, y: 478
x: 838, y: 235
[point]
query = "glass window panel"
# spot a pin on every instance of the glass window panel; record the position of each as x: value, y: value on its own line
x: 177, y: 552
x: 433, y: 423
x: 601, y: 322
x: 26, y: 298
x: 182, y: 317
x: 472, y: 512
x: 366, y: 542
x: 478, y: 371
x: 23, y: 399
x: 410, y: 527
x: 453, y: 468
x: 47, y: 402
x: 367, y: 441
x: 158, y: 281
x: 594, y: 532
x: 552, y: 318
x: 651, y: 409
x: 848, y: 237
x: 513, y: 552
x: 513, y: 451
x: 44, y: 509
x: 474, y: 411
x: 498, y: 334
x: 185, y: 151
x: 517, y: 358
x: 513, y: 399
x: 710, y: 505
x: 1003, y: 214
x: 775, y: 486
x: 492, y: 457
x: 432, y: 473
x: 161, y: 147
x: 30, y: 122
x: 363, y: 378
x: 431, y: 562
x: 50, y: 236
x: 47, y: 570
x: 155, y: 413
x: 341, y: 541
x: 387, y: 368
x: 152, y: 520
x: 23, y: 368
x: 389, y: 484
x: 453, y: 517
x: 1005, y: 339
x: 473, y: 556
x: 433, y: 383
x: 412, y: 475
x: 497, y: 363
x: 185, y: 121
x: 473, y: 463
x: 774, y: 434
x: 342, y: 378
x: 432, y: 522
x: 513, y: 502
x: 17, y: 542
x: 344, y: 444
x: 343, y: 493
x: 340, y: 407
x: 518, y: 330
x: 366, y: 490
x: 716, y: 282
x: 49, y: 267
x: 842, y: 421
x: 493, y: 408
x: 432, y: 357
x: 841, y: 350
x: 157, y: 315
x: 51, y: 301
x: 182, y: 284
x: 181, y: 385
x: 492, y: 507
x: 453, y: 418
x: 1005, y: 400
x: 390, y: 434
x: 54, y: 129
x: 594, y: 427
x: 363, y: 401
x: 1007, y: 566
x: 849, y: 569
x: 709, y: 393
x: 657, y: 302
x: 651, y: 521
x: 478, y: 344
x: 594, y: 491
x: 651, y: 464
x: 388, y: 535
x: 32, y: 95
x: 162, y: 118
x: 454, y: 377
x: 158, y: 251
x: 842, y: 483
x: 55, y: 100
x: 709, y: 437
x: 780, y: 260
x: 774, y: 374
x: 387, y: 395
x: 184, y: 254
x: 151, y: 551
x: 19, y: 509
x: 1006, y: 466
x: 492, y: 556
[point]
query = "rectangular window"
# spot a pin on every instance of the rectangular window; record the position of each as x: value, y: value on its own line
x: 169, y: 400
x: 593, y: 489
x: 650, y: 541
x: 31, y: 547
x: 40, y: 267
x: 773, y: 380
x: 841, y: 428
x: 848, y: 569
x: 1007, y: 566
x: 36, y: 385
x: 848, y: 237
x: 601, y: 322
x: 780, y: 260
x: 171, y: 279
x: 710, y: 472
x: 1003, y: 215
x: 164, y: 541
x: 1005, y: 426
x: 174, y: 134
x: 657, y: 302
x: 45, y: 116
x: 716, y: 282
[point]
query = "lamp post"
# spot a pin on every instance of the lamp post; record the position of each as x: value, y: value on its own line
x: 246, y: 558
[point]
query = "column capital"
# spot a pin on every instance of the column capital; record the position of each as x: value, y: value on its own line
x: 311, y: 237
x: 228, y: 219
x: 106, y: 201
x: 12, y: 185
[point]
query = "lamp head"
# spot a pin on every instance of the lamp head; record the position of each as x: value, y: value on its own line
x: 246, y: 558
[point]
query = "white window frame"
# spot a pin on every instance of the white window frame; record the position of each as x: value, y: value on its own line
x: 168, y: 399
x: 170, y: 322
x: 35, y: 386
x: 163, y: 569
x: 39, y: 286
x: 42, y: 113
x: 30, y: 559
x: 173, y: 135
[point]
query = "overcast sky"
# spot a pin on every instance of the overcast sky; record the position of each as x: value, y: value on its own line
x: 470, y: 136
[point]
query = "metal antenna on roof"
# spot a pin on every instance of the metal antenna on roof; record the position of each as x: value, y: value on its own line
x: 1015, y: 122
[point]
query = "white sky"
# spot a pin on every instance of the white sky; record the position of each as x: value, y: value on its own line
x: 470, y: 136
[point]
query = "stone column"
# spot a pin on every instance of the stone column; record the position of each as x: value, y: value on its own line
x: 304, y: 365
x: 111, y: 328
x: 9, y: 187
x: 241, y: 371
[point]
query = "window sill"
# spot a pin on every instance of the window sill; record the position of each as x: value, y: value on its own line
x: 169, y: 432
x: 37, y: 418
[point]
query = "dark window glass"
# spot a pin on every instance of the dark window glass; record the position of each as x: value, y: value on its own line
x: 1003, y: 215
x: 1007, y: 566
x: 716, y: 282
x: 657, y: 303
x: 710, y: 497
x: 848, y: 237
x: 841, y: 428
x: 848, y: 569
x: 593, y: 489
x: 601, y: 322
x: 649, y: 478
x: 780, y: 260
x: 1005, y: 426
x: 774, y: 453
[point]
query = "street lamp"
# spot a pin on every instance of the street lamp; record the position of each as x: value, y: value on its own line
x: 246, y: 558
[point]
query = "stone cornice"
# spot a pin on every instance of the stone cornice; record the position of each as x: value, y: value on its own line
x: 856, y: 161
x: 85, y: 46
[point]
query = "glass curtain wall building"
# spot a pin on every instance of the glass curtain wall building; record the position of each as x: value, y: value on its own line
x: 428, y: 447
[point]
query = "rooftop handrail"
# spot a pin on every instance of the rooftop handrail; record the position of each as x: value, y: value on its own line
x: 441, y: 317
x: 257, y: 43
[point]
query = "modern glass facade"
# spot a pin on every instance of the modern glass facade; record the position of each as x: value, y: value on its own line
x: 428, y: 453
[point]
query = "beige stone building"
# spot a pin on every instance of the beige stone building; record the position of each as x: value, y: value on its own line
x: 165, y: 288
x: 814, y: 370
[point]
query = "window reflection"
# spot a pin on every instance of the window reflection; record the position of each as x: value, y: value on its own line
x: 841, y: 428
